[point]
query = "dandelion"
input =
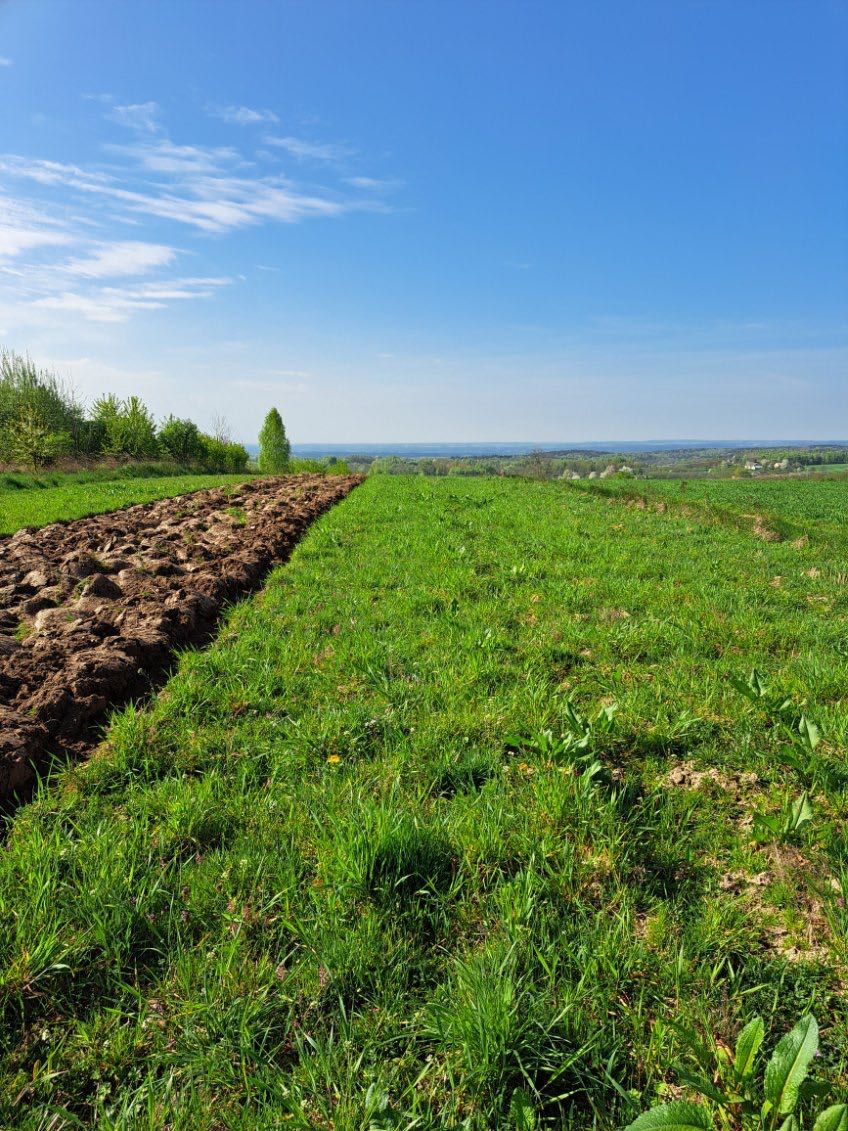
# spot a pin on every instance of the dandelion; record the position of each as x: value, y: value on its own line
x: 334, y: 759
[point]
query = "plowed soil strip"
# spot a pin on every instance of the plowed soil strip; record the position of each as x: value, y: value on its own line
x: 91, y: 611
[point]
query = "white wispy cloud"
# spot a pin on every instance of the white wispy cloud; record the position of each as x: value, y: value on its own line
x: 142, y: 116
x: 23, y: 228
x: 213, y: 203
x: 117, y: 304
x: 141, y: 183
x: 163, y: 156
x: 373, y: 184
x: 304, y: 150
x: 124, y: 257
x: 14, y: 240
x: 5, y: 61
x: 54, y: 173
x: 243, y: 115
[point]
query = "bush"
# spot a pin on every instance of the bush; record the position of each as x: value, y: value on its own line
x: 319, y: 466
x: 222, y: 455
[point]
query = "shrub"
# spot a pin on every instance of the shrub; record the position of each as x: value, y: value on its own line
x: 222, y: 455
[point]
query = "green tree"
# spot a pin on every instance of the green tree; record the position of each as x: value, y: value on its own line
x: 128, y: 427
x: 31, y: 440
x: 180, y: 439
x: 40, y: 418
x: 274, y: 447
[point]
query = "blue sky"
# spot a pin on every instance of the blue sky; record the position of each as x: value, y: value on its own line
x: 429, y: 220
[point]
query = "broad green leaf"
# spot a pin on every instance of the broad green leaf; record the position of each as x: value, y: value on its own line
x: 790, y: 1123
x: 752, y: 687
x: 801, y: 813
x: 747, y: 1046
x: 809, y: 732
x: 606, y: 716
x: 788, y: 1067
x: 833, y: 1119
x: 377, y: 1104
x: 766, y: 827
x: 758, y: 684
x: 677, y: 1116
x: 522, y: 1114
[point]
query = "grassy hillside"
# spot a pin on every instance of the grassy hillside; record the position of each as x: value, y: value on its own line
x: 80, y: 496
x: 818, y: 505
x: 466, y: 813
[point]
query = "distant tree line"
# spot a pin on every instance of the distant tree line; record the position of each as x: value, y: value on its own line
x: 42, y: 421
x: 714, y: 463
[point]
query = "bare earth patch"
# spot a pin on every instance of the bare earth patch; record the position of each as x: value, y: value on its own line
x: 91, y: 610
x: 799, y: 932
x: 686, y: 775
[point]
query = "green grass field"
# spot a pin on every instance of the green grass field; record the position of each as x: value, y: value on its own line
x: 80, y: 496
x: 822, y: 503
x: 474, y: 818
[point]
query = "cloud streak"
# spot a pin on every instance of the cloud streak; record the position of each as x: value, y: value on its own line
x: 243, y: 115
x: 117, y: 304
x: 23, y: 229
x: 202, y: 193
x: 303, y: 150
x: 143, y: 116
x: 143, y: 183
x: 126, y: 257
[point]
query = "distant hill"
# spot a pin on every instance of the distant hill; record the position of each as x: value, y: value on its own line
x: 436, y: 449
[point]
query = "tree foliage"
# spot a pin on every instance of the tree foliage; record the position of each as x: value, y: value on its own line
x: 128, y: 427
x: 274, y: 447
x: 181, y: 440
x: 42, y: 421
x: 40, y: 418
